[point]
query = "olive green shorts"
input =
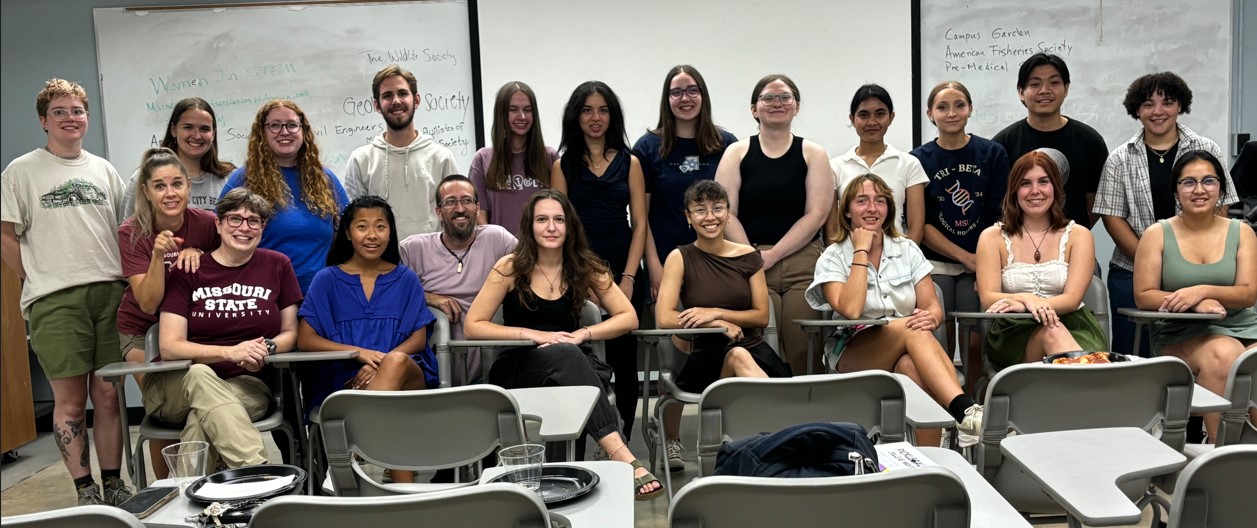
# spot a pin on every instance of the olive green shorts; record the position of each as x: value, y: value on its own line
x: 74, y: 331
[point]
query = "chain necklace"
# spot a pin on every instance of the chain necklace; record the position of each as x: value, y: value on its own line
x: 76, y: 156
x: 456, y: 257
x: 1038, y: 256
x: 547, y: 278
x: 1161, y: 153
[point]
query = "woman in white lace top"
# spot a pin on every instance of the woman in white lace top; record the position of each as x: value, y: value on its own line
x: 1037, y: 261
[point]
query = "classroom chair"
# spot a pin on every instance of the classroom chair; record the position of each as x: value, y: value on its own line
x: 937, y: 499
x: 413, y: 430
x: 1216, y: 490
x: 733, y: 408
x: 1153, y: 395
x: 77, y: 517
x: 497, y: 505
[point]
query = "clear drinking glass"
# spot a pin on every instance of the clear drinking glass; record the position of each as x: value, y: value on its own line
x: 186, y: 460
x: 523, y: 463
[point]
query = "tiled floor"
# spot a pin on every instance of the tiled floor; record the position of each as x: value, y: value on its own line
x: 39, y: 482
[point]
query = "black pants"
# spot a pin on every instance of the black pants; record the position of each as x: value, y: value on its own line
x: 559, y: 365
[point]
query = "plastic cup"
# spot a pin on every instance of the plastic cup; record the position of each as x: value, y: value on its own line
x: 523, y: 463
x: 186, y: 460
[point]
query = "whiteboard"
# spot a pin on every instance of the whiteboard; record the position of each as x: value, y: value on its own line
x: 323, y: 57
x: 1107, y: 44
x: 828, y: 48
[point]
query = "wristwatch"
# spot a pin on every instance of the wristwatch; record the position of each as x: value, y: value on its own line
x: 270, y: 345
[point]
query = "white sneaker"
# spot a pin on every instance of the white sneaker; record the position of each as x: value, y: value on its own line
x: 675, y: 451
x: 969, y: 430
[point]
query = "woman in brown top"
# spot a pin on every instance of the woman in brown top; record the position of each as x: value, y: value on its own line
x: 721, y: 284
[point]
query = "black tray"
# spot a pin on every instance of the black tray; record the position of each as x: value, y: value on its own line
x: 559, y: 483
x: 1113, y: 357
x: 248, y: 474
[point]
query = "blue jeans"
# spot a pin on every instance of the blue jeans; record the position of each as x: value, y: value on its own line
x: 1122, y: 295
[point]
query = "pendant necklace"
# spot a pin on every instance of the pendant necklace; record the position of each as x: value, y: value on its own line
x: 1161, y: 153
x: 456, y: 257
x: 1038, y: 256
x: 547, y: 278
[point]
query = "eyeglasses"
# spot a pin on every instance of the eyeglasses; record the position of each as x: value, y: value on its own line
x: 255, y: 222
x: 1209, y: 182
x: 717, y: 211
x: 785, y: 98
x: 276, y: 126
x: 75, y: 114
x: 693, y: 91
x: 465, y: 201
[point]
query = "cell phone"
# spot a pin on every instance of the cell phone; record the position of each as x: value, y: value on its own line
x: 149, y: 500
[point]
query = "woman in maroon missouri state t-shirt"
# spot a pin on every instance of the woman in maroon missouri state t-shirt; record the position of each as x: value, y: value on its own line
x: 163, y: 236
x: 238, y: 308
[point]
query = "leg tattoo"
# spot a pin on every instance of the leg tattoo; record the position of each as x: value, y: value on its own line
x: 65, y: 437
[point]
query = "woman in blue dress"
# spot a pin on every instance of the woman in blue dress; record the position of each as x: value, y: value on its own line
x: 366, y: 300
x: 602, y: 178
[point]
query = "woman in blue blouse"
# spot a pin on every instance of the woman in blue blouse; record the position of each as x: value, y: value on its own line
x: 366, y: 300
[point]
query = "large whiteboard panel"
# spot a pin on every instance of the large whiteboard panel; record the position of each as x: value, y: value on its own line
x: 323, y: 57
x: 1106, y: 44
x: 829, y: 49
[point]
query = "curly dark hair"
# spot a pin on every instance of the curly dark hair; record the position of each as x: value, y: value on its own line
x: 582, y: 268
x: 1168, y: 84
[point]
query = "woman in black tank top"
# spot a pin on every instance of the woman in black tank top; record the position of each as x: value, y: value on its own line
x: 542, y: 287
x: 781, y: 189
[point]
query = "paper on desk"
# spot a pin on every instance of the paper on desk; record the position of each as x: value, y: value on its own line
x: 229, y: 491
x: 901, y: 455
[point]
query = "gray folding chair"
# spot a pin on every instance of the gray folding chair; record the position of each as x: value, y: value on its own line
x: 440, y: 343
x: 671, y: 361
x: 733, y: 408
x: 76, y: 517
x: 1152, y: 394
x: 924, y: 497
x: 413, y: 430
x: 152, y: 428
x: 497, y: 505
x: 590, y: 315
x: 1216, y: 490
x: 1236, y: 426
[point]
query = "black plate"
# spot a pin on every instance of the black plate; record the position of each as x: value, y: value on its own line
x: 559, y: 483
x: 249, y: 474
x: 1113, y: 357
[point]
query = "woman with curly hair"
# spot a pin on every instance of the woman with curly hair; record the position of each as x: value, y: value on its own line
x: 542, y: 287
x: 283, y: 167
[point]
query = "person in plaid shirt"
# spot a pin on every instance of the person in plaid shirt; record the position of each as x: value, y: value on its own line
x: 1125, y: 201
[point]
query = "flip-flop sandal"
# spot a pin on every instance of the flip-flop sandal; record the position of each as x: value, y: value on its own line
x: 643, y: 480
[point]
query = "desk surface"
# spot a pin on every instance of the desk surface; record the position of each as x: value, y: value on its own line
x: 1082, y: 479
x: 809, y: 324
x: 987, y: 508
x: 302, y: 357
x: 609, y: 505
x: 920, y: 409
x: 1134, y: 313
x: 172, y: 515
x: 562, y: 411
x: 1205, y: 401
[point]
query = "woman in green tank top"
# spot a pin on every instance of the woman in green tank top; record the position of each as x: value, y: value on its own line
x: 1200, y: 262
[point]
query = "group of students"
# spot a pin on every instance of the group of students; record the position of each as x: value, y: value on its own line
x: 717, y: 230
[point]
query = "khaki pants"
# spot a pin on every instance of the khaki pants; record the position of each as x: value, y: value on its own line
x: 787, y: 280
x: 213, y: 410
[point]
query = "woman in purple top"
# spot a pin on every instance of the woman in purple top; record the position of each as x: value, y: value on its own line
x: 518, y: 164
x: 684, y: 147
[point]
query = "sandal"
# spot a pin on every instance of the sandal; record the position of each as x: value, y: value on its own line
x: 639, y: 482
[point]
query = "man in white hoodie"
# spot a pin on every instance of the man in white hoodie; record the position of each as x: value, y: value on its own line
x: 401, y: 165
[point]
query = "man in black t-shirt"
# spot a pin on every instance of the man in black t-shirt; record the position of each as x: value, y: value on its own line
x: 1042, y: 85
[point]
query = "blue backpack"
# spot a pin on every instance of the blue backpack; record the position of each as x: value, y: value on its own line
x: 806, y: 450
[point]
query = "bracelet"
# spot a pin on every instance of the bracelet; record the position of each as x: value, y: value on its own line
x: 859, y: 250
x: 859, y: 264
x: 629, y: 277
x: 591, y: 333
